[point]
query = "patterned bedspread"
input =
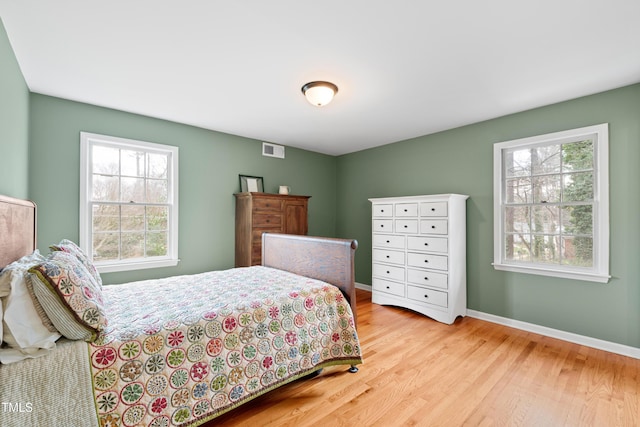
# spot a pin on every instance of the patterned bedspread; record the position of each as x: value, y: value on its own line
x: 186, y: 349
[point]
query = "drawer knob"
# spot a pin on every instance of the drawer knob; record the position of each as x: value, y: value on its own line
x: 426, y: 260
x: 426, y: 244
x: 388, y: 241
x: 426, y: 278
x: 406, y: 226
x: 426, y: 296
x: 433, y: 209
x: 388, y: 272
x: 381, y: 225
x: 433, y: 226
x: 406, y: 210
x: 388, y: 287
x: 388, y: 256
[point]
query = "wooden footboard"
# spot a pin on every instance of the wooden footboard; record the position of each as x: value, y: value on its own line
x: 327, y: 259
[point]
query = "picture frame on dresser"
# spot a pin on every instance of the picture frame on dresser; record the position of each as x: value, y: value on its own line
x: 251, y: 184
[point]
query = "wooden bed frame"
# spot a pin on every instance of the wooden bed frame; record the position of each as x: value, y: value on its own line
x: 327, y: 259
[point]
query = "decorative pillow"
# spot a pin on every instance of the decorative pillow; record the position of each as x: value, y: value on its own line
x: 70, y: 247
x: 69, y: 295
x: 23, y: 330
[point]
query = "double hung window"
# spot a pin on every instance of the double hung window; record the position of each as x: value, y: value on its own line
x: 128, y: 203
x: 551, y: 204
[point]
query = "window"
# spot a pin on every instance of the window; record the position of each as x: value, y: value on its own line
x: 128, y: 203
x: 551, y: 204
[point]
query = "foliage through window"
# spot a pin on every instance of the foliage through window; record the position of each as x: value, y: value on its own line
x: 128, y: 202
x: 551, y: 204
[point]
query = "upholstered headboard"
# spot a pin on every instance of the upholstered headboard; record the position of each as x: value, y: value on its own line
x: 17, y: 229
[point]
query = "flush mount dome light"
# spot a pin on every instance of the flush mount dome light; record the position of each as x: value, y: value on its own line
x: 319, y: 93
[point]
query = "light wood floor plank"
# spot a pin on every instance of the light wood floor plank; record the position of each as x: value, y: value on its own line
x: 419, y: 372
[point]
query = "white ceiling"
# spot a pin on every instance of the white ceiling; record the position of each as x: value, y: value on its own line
x: 404, y: 68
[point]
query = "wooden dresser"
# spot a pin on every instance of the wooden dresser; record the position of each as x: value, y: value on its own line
x: 257, y: 213
x: 419, y: 254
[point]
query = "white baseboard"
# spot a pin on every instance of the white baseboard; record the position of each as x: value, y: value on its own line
x: 612, y: 347
x: 609, y: 346
x: 363, y: 286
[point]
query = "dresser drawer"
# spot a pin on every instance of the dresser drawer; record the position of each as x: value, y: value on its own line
x: 407, y: 226
x: 388, y: 287
x: 433, y: 226
x: 428, y: 278
x: 427, y: 295
x: 388, y: 272
x: 267, y: 220
x: 387, y: 241
x: 438, y: 262
x: 406, y: 209
x: 382, y: 210
x: 393, y: 257
x: 383, y: 225
x: 430, y: 244
x: 267, y: 204
x: 433, y: 209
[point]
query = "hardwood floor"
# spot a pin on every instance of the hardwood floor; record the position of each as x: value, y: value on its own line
x: 420, y: 372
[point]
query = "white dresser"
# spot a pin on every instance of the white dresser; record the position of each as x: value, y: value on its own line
x: 419, y: 254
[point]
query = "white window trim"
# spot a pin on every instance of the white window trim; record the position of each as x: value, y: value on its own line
x: 85, y: 197
x: 600, y: 270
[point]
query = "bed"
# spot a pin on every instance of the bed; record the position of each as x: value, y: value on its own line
x: 163, y: 356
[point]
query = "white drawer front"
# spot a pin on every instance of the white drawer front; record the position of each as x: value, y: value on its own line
x: 388, y: 287
x: 433, y: 209
x: 387, y: 241
x: 406, y: 226
x: 438, y: 262
x: 383, y: 255
x: 430, y: 244
x: 388, y: 272
x: 428, y: 278
x: 433, y: 226
x: 427, y: 295
x: 382, y: 210
x: 406, y: 209
x: 383, y: 225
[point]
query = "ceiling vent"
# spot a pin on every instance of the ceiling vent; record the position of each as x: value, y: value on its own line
x: 272, y: 150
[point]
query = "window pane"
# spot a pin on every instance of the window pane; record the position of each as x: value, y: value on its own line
x: 518, y: 162
x: 157, y: 191
x: 132, y: 245
x: 157, y: 165
x: 578, y: 187
x: 133, y: 218
x: 545, y: 249
x: 546, y: 189
x: 157, y: 218
x: 157, y: 244
x: 105, y: 160
x: 106, y: 218
x: 545, y: 159
x: 517, y: 247
x: 578, y: 155
x: 518, y: 190
x: 577, y: 220
x: 546, y: 219
x: 105, y: 188
x: 577, y: 251
x: 132, y: 163
x: 106, y: 246
x: 132, y: 189
x: 516, y: 219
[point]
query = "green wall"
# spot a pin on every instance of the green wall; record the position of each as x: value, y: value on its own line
x: 210, y: 163
x: 460, y: 161
x: 14, y: 123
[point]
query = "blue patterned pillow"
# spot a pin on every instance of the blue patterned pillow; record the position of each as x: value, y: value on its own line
x: 70, y: 296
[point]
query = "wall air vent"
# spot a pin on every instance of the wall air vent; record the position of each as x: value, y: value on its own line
x: 272, y: 150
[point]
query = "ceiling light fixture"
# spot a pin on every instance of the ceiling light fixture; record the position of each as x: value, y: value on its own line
x: 319, y: 93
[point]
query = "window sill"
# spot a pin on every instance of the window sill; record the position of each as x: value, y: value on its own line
x: 577, y: 275
x: 135, y: 265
